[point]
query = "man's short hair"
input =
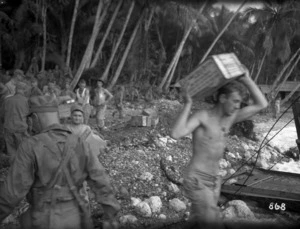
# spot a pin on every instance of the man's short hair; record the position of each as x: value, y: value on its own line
x: 33, y: 79
x: 231, y: 87
x: 18, y: 72
x: 100, y: 80
x: 82, y: 81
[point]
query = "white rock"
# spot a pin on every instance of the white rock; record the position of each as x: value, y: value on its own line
x: 252, y: 147
x: 162, y: 216
x: 249, y: 156
x: 238, y: 210
x: 274, y: 155
x: 154, y: 203
x: 171, y: 140
x: 146, y: 176
x: 169, y: 158
x: 231, y: 171
x: 223, y: 164
x: 135, y: 201
x: 231, y: 155
x: 164, y: 140
x: 232, y: 181
x: 173, y: 188
x: 266, y: 154
x: 222, y: 173
x: 125, y: 219
x: 263, y: 163
x: 238, y: 156
x: 143, y: 209
x: 177, y: 205
x: 245, y: 146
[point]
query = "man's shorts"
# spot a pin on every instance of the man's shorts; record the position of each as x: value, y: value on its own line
x: 203, y: 190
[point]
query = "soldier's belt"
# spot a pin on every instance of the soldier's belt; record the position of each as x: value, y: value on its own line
x: 58, y: 193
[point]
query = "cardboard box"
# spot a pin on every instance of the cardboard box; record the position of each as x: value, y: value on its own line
x: 213, y: 74
x: 140, y: 120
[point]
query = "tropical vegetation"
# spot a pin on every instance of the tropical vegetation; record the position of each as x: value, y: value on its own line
x: 146, y: 43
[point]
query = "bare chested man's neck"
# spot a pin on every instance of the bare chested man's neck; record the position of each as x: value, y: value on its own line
x: 209, y: 140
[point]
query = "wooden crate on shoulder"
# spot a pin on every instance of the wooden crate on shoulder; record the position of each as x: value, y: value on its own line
x: 212, y: 74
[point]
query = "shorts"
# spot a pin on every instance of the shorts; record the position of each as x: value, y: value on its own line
x: 203, y: 190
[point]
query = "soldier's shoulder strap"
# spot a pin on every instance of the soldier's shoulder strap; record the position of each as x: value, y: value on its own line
x: 85, y: 134
x: 69, y: 146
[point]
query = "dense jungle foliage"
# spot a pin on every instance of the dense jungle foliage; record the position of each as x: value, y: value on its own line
x: 148, y: 43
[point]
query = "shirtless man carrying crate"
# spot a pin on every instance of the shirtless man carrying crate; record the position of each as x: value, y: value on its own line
x: 202, y: 183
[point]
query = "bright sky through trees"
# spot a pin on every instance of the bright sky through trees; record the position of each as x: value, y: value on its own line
x: 233, y: 5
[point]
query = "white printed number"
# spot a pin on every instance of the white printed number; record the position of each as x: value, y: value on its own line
x: 277, y: 207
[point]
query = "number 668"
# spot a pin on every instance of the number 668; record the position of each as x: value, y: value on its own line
x: 275, y: 206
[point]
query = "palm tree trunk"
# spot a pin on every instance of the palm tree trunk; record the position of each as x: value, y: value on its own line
x: 290, y: 94
x: 222, y: 32
x: 146, y: 40
x: 260, y: 66
x: 162, y: 57
x: 280, y: 75
x: 119, y: 69
x: 96, y: 56
x: 71, y: 33
x: 167, y: 84
x: 101, y: 20
x: 0, y: 51
x: 105, y: 74
x: 44, y: 17
x: 252, y: 68
x: 179, y: 50
x: 286, y: 77
x: 89, y: 47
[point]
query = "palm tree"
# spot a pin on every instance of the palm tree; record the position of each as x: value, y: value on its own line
x: 120, y: 38
x: 71, y: 33
x: 125, y: 54
x: 20, y: 33
x: 90, y: 45
x: 167, y: 78
x: 222, y: 31
x: 272, y: 32
x: 100, y: 47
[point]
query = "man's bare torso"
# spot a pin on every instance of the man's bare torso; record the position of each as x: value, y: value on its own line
x: 209, y: 142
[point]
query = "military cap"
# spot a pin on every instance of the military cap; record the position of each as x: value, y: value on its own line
x: 19, y: 72
x: 76, y: 107
x: 43, y: 104
x: 21, y: 86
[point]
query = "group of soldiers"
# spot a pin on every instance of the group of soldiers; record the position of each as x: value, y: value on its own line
x: 51, y: 167
x: 50, y: 162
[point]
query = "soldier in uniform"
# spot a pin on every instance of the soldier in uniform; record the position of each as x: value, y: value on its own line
x: 16, y: 110
x: 11, y: 85
x: 49, y: 169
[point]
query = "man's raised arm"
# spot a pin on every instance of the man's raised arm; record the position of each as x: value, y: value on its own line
x: 259, y: 100
x: 185, y: 125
